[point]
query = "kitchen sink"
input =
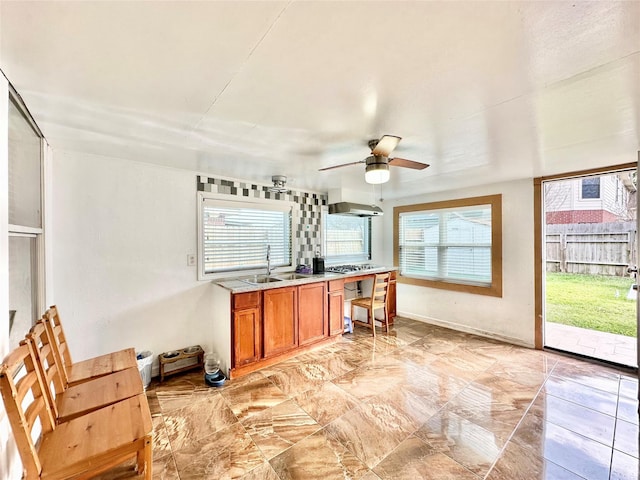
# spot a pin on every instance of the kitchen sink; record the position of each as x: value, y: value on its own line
x: 261, y: 279
x: 291, y: 276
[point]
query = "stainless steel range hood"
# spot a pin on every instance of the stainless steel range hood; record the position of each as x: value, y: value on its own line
x: 355, y: 209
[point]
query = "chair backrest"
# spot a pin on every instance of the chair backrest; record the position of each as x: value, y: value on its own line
x: 53, y: 317
x: 379, y: 290
x: 58, y: 340
x: 22, y: 388
x: 48, y: 363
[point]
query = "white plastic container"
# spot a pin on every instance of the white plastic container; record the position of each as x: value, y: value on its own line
x: 145, y: 360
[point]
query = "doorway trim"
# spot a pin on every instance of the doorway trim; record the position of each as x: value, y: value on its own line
x: 537, y: 240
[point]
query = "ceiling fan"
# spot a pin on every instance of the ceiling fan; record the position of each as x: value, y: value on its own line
x: 377, y: 165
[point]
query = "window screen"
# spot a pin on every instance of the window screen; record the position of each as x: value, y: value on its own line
x: 452, y: 244
x: 347, y: 239
x: 236, y: 236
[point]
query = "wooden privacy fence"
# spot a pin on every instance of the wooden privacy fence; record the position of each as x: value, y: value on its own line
x: 591, y: 248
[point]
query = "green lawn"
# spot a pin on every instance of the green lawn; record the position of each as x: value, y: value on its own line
x: 596, y: 302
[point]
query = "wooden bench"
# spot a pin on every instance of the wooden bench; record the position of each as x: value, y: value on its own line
x: 68, y: 402
x: 78, y: 372
x: 81, y: 448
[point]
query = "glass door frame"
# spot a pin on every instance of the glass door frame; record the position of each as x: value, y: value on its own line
x: 538, y: 228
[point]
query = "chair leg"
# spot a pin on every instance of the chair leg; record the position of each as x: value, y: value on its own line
x: 371, y: 318
x: 353, y: 319
x: 144, y: 459
x: 386, y: 320
x: 148, y: 457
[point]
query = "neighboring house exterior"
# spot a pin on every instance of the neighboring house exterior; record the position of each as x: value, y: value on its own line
x: 595, y: 199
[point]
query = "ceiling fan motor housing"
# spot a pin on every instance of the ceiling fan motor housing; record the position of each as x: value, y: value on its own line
x: 377, y: 162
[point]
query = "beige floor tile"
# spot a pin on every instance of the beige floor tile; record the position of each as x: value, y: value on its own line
x: 252, y: 398
x: 275, y: 429
x: 371, y: 431
x: 415, y: 460
x: 469, y: 444
x: 263, y: 472
x: 229, y: 453
x: 319, y: 456
x: 300, y: 377
x: 373, y: 378
x: 187, y: 425
x: 326, y: 403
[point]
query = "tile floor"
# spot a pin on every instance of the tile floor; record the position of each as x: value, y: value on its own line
x: 602, y: 345
x: 420, y: 402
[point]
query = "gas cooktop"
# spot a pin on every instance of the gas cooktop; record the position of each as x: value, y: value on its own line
x: 349, y: 268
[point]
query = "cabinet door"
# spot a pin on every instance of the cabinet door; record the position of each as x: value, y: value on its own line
x: 391, y: 301
x: 280, y: 320
x: 336, y: 312
x: 246, y: 336
x: 312, y: 312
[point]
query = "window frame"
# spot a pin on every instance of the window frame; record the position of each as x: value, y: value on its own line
x: 495, y: 288
x: 37, y: 233
x: 347, y: 259
x: 250, y: 203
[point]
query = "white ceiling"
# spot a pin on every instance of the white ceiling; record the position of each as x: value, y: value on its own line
x: 482, y: 91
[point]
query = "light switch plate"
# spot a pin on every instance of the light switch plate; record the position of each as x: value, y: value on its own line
x: 191, y: 260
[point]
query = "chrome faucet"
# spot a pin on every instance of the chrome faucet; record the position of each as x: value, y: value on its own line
x: 268, y: 260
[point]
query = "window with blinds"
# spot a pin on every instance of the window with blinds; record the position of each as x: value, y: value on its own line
x: 451, y: 243
x: 347, y: 239
x: 236, y: 235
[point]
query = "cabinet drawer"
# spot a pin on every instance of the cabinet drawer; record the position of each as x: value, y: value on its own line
x: 335, y: 285
x: 246, y: 300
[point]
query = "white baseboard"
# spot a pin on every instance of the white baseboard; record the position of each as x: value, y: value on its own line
x: 467, y: 329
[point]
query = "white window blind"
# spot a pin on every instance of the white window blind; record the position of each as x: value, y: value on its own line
x: 236, y: 235
x: 347, y: 239
x: 451, y: 244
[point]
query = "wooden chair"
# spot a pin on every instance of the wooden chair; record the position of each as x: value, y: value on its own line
x: 68, y: 402
x: 74, y: 373
x: 81, y: 448
x: 377, y: 300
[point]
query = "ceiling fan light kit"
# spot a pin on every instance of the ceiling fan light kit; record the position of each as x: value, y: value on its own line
x: 377, y: 165
x: 377, y: 170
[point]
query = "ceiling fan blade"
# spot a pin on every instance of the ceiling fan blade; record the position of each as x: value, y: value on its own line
x: 340, y: 166
x: 386, y: 145
x: 403, y: 162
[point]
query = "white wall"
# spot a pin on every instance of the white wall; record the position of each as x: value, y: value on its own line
x: 508, y: 318
x: 121, y: 234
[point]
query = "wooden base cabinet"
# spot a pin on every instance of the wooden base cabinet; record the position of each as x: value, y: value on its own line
x: 335, y: 306
x: 273, y: 324
x: 246, y: 333
x: 312, y: 313
x: 279, y: 320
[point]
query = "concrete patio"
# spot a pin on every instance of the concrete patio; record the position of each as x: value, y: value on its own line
x: 600, y: 345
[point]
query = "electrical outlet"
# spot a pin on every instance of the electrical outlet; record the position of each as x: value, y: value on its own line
x: 191, y: 260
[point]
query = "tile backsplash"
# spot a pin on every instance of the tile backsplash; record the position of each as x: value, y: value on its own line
x: 309, y: 230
